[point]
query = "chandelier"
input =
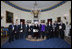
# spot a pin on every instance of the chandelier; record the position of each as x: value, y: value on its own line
x: 35, y: 10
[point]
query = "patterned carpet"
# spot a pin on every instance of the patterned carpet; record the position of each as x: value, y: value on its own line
x: 50, y: 43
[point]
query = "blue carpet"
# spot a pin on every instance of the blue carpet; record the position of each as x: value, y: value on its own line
x: 51, y: 43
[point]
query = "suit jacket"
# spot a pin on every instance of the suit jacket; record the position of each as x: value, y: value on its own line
x: 26, y: 28
x: 16, y: 28
x: 49, y: 28
x: 23, y: 27
x: 36, y: 27
x: 39, y: 28
x: 55, y: 26
x: 31, y: 27
x: 62, y: 25
x: 10, y: 28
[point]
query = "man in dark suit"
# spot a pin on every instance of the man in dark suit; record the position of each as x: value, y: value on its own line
x: 29, y: 32
x: 26, y: 30
x: 63, y: 30
x: 32, y: 27
x: 60, y: 29
x: 21, y: 29
x: 55, y: 33
x: 49, y: 30
x: 11, y: 32
x: 29, y: 29
x: 16, y: 32
x: 39, y: 30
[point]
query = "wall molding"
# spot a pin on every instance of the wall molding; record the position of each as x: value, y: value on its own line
x: 29, y: 10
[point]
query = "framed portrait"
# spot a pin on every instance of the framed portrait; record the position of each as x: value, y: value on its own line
x: 9, y: 17
x: 42, y: 21
x: 28, y: 21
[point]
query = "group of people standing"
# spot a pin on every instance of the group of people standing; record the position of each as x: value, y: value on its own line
x: 37, y: 31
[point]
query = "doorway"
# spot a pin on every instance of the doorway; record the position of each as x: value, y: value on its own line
x: 49, y: 20
x: 22, y: 20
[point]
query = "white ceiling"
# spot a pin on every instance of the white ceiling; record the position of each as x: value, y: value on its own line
x: 30, y: 4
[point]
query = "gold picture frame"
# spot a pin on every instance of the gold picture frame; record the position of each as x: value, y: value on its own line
x: 42, y: 21
x: 28, y: 21
x: 9, y: 17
